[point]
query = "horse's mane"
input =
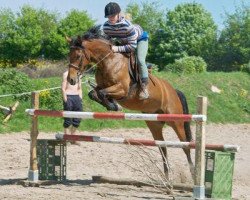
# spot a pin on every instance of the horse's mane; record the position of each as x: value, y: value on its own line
x: 93, y: 33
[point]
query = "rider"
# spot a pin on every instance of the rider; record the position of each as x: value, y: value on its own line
x: 133, y: 38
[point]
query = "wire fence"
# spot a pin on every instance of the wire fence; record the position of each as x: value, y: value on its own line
x: 46, y: 89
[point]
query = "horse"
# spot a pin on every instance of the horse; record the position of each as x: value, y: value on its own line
x: 115, y: 84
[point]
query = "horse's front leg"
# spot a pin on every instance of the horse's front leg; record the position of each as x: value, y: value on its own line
x: 93, y: 95
x: 102, y: 98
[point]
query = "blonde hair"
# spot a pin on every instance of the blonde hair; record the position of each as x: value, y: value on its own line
x: 127, y: 16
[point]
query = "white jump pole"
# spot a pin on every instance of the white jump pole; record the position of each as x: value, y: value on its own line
x: 157, y: 143
x: 117, y: 116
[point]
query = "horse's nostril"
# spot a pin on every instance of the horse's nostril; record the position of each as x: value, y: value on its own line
x: 72, y: 82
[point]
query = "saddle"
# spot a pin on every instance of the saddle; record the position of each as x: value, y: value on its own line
x: 133, y: 69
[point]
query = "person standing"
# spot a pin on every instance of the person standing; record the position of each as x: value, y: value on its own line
x: 72, y: 101
x: 132, y: 38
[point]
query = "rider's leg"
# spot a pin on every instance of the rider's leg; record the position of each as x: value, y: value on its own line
x: 142, y: 49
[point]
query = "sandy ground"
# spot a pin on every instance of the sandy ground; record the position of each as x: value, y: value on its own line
x: 117, y: 161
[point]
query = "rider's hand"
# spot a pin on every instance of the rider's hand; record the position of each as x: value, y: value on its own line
x: 115, y: 49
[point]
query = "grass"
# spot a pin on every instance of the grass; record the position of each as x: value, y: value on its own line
x: 232, y: 105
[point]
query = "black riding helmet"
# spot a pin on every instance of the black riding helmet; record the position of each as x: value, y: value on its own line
x: 112, y: 8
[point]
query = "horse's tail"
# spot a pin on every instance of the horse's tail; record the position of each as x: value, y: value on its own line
x: 185, y: 111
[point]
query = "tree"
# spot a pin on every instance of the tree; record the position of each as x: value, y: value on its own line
x: 75, y: 23
x: 7, y: 24
x: 234, y: 41
x: 26, y: 37
x: 51, y: 41
x: 33, y: 33
x: 189, y: 30
x: 148, y: 15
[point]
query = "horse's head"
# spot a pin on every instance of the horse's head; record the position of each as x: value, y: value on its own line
x: 93, y: 44
x: 78, y: 60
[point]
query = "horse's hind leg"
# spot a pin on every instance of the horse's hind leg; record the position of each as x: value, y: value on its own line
x: 180, y: 131
x: 156, y: 130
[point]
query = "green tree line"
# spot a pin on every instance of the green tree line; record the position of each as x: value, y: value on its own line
x: 34, y: 33
x: 179, y: 38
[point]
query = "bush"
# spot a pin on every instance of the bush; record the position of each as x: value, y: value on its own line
x: 51, y: 99
x: 14, y: 82
x: 5, y: 63
x: 188, y: 65
x: 245, y: 68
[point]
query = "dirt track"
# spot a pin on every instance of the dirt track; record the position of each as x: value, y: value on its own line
x: 114, y: 161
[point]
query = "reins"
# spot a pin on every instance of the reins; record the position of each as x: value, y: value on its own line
x: 85, y: 72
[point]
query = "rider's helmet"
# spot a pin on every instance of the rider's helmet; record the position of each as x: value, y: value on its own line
x: 112, y: 8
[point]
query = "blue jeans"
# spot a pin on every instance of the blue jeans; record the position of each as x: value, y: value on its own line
x: 142, y: 50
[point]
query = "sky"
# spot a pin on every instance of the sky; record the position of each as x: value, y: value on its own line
x: 95, y: 8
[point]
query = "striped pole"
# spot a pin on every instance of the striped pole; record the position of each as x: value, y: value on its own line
x: 117, y: 116
x: 172, y: 144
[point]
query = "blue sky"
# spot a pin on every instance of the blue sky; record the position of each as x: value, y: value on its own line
x: 95, y: 8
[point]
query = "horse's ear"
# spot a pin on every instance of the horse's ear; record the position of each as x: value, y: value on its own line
x: 80, y: 41
x: 68, y: 39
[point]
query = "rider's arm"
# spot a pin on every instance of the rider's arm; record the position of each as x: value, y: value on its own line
x: 126, y: 32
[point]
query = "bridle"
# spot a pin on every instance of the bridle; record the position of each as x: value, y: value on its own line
x: 77, y: 67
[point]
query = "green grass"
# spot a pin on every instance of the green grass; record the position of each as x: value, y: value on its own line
x: 232, y: 105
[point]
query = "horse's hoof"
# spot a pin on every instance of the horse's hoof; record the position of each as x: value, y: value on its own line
x: 111, y: 107
x: 114, y: 107
x: 119, y: 108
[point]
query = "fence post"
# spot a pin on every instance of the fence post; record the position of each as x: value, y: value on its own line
x: 199, y: 188
x: 33, y: 170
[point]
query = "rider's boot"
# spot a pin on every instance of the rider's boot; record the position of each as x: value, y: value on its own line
x: 144, y: 91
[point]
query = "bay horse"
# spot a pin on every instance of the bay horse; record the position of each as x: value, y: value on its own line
x: 115, y: 83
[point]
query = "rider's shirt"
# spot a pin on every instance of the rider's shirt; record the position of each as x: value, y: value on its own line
x: 128, y: 33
